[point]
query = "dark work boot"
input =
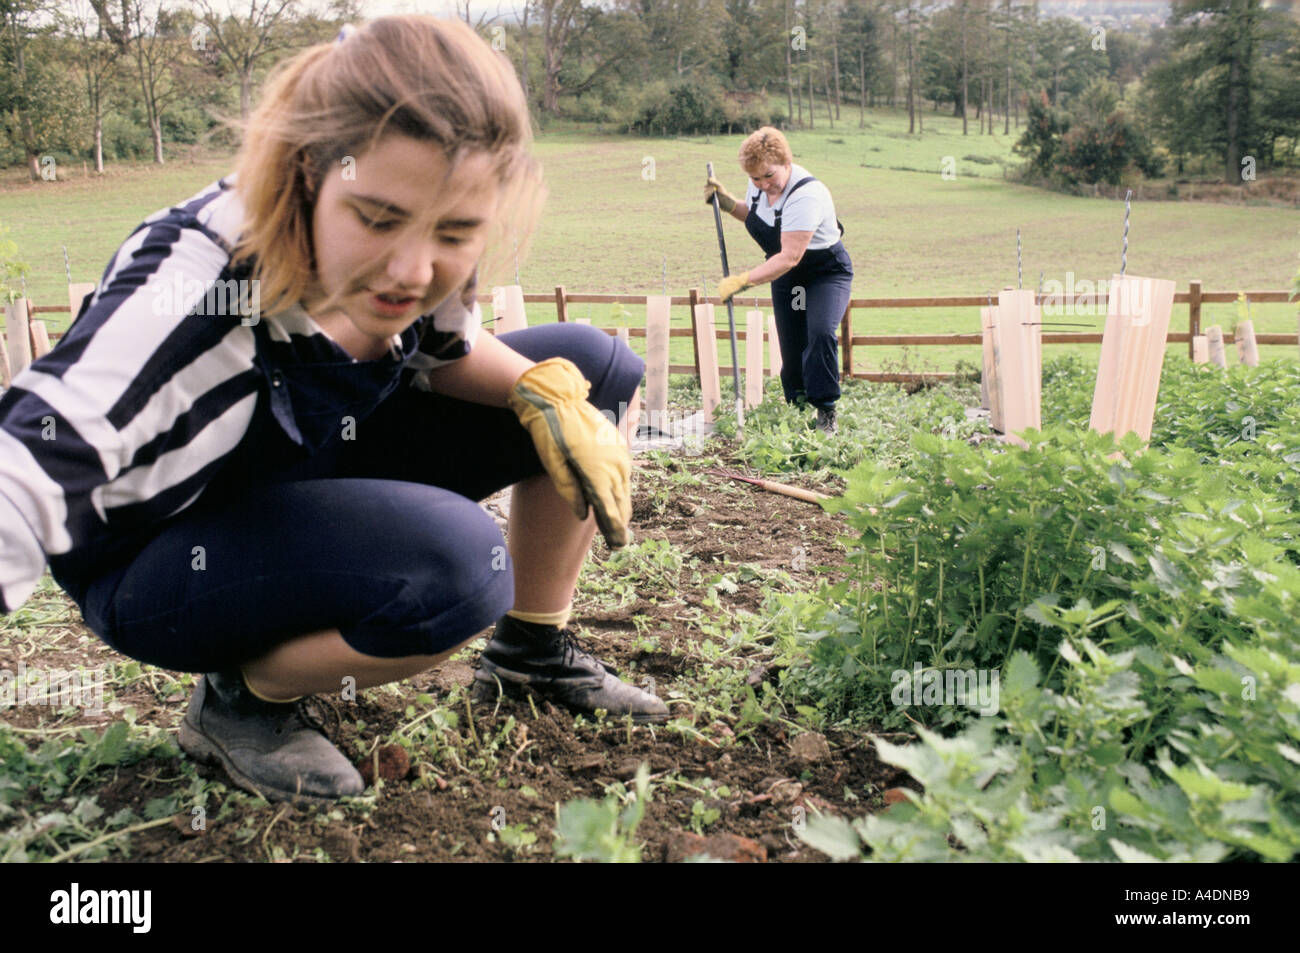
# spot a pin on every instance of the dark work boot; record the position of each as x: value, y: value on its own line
x: 551, y: 662
x: 277, y: 750
x: 826, y: 419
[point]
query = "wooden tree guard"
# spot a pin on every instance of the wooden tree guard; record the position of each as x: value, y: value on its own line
x: 1132, y: 355
x: 20, y: 339
x: 773, y: 347
x: 621, y: 334
x: 657, y: 311
x: 990, y: 376
x: 40, y: 340
x: 1214, y: 341
x: 707, y: 342
x: 508, y: 309
x: 1017, y: 351
x: 753, y: 359
x: 1247, y: 349
x: 1200, y: 349
x: 77, y: 292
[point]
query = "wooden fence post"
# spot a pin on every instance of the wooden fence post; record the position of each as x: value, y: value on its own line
x: 846, y: 340
x: 561, y: 306
x: 1193, y: 316
x: 694, y: 299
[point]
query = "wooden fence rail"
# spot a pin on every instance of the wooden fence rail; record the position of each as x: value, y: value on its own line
x: 1095, y: 304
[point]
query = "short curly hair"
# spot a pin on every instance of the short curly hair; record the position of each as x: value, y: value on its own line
x: 765, y: 146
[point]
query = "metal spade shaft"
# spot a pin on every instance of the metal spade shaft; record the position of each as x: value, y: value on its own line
x: 731, y: 308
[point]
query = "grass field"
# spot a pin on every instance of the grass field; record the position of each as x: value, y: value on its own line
x: 617, y: 223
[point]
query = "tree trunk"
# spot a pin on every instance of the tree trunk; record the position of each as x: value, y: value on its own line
x: 862, y: 86
x: 798, y: 98
x: 1232, y: 172
x: 812, y: 105
x: 965, y: 77
x: 155, y: 127
x: 551, y: 66
x: 1006, y: 117
x: 911, y: 86
x: 826, y: 81
x: 246, y: 92
x: 893, y: 61
x: 835, y: 57
x: 523, y: 43
x: 789, y: 79
x: 99, y: 144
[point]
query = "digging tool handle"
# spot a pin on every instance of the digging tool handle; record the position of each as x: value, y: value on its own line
x: 796, y: 492
x: 731, y: 307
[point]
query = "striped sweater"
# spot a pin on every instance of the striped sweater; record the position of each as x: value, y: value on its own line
x: 125, y: 422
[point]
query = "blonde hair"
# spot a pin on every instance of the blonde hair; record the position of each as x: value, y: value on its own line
x: 763, y: 147
x: 434, y: 80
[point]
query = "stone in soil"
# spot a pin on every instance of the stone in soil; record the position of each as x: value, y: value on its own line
x: 683, y: 845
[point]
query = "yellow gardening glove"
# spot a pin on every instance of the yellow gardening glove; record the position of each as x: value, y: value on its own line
x: 582, y: 451
x: 726, y: 201
x: 733, y: 284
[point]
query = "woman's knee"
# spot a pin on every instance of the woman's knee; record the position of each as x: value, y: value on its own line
x: 613, y: 369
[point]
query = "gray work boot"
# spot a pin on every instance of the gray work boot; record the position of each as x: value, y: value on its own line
x: 276, y: 750
x: 554, y: 664
x: 826, y: 419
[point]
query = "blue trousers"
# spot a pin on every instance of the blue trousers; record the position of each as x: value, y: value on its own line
x: 378, y: 537
x: 807, y: 335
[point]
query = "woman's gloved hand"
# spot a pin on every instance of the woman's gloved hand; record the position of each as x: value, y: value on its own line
x: 732, y: 285
x: 583, y: 452
x: 726, y: 201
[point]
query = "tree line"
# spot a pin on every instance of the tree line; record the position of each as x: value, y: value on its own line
x: 1217, y: 81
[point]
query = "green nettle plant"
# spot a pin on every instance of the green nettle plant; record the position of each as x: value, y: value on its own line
x: 875, y: 419
x: 604, y: 831
x: 1140, y: 607
x: 11, y: 269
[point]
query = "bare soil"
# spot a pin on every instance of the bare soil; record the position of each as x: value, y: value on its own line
x: 445, y: 812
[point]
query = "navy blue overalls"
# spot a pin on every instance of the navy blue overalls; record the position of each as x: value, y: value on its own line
x: 809, y: 301
x: 347, y: 505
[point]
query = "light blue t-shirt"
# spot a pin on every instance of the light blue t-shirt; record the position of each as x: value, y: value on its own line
x: 808, y: 210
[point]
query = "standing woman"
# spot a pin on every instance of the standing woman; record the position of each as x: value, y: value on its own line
x: 272, y: 419
x: 791, y: 216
